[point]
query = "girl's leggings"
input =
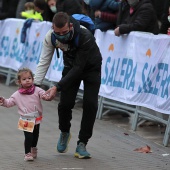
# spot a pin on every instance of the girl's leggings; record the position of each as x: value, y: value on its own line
x: 31, y: 139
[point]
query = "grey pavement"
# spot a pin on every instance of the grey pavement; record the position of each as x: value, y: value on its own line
x: 111, y: 146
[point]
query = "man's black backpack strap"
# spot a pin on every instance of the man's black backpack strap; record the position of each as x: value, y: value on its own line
x: 53, y: 41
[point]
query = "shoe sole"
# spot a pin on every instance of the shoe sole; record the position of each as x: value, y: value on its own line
x: 67, y: 145
x: 77, y: 155
x: 28, y: 159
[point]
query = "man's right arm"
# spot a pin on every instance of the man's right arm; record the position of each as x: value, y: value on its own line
x: 45, y: 59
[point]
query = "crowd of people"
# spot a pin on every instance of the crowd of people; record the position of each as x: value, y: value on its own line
x: 81, y: 56
x: 123, y: 16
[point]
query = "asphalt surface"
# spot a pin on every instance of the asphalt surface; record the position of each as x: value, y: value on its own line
x: 111, y: 146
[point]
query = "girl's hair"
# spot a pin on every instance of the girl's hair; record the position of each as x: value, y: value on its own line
x: 23, y: 70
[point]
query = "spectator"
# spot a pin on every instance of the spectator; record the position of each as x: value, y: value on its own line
x: 136, y: 15
x: 30, y: 13
x: 106, y: 16
x: 110, y: 6
x: 20, y: 7
x: 42, y: 7
x: 52, y: 5
x: 159, y: 9
x: 86, y: 9
x: 165, y: 23
x: 8, y: 9
x: 69, y: 6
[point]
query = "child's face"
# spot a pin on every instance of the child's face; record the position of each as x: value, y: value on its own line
x: 26, y: 80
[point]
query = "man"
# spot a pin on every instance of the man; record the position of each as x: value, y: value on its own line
x: 136, y: 15
x: 82, y: 62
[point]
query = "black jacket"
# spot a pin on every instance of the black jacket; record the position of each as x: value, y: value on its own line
x: 8, y: 9
x: 69, y: 6
x: 84, y: 55
x: 143, y: 18
x: 165, y: 24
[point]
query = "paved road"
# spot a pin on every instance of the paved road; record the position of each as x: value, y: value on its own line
x: 110, y: 148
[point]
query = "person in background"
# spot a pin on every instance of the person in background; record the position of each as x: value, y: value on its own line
x: 107, y: 17
x: 28, y: 99
x: 159, y: 9
x: 136, y: 15
x: 165, y: 19
x: 82, y: 62
x: 69, y: 6
x: 30, y: 12
x: 110, y: 6
x: 41, y: 6
x: 8, y: 9
x: 87, y: 10
x: 52, y: 5
x: 20, y: 7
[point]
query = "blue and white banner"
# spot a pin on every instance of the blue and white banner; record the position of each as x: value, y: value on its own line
x: 14, y: 54
x: 135, y: 67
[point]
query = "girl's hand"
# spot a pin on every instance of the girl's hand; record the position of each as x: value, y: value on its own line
x: 50, y: 94
x: 1, y: 100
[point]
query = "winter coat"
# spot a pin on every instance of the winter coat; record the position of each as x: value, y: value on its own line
x: 8, y: 9
x: 104, y: 5
x: 143, y: 18
x: 165, y: 24
x: 110, y: 6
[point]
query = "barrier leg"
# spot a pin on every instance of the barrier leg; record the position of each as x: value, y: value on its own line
x: 8, y: 77
x: 167, y: 132
x: 100, y: 105
x: 135, y: 119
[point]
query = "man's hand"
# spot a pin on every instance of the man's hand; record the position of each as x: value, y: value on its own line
x: 168, y: 31
x: 97, y: 14
x: 117, y: 33
x: 50, y: 94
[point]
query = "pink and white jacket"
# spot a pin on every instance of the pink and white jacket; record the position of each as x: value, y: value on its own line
x: 27, y: 103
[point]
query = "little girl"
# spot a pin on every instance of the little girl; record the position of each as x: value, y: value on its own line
x: 28, y: 99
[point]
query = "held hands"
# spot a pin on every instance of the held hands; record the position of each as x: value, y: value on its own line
x: 50, y: 94
x: 1, y: 101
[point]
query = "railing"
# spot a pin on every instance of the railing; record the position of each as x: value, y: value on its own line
x: 135, y: 68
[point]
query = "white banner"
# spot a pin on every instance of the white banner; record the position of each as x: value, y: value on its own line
x: 135, y: 67
x: 14, y: 54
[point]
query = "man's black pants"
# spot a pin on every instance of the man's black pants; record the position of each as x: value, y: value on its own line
x: 91, y: 81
